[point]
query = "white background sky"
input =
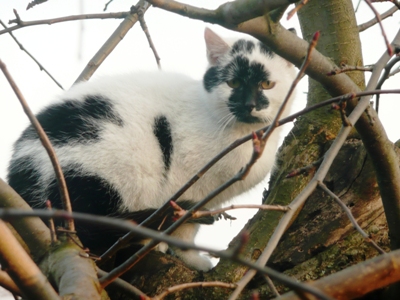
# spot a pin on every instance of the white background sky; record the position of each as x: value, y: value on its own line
x: 65, y: 48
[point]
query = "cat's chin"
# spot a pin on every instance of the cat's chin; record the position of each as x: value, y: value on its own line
x: 249, y: 120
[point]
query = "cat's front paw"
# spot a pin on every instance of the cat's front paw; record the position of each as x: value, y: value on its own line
x: 195, y: 260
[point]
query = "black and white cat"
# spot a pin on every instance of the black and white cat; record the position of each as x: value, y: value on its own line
x: 127, y: 143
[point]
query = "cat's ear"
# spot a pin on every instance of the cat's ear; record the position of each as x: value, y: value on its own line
x: 216, y: 47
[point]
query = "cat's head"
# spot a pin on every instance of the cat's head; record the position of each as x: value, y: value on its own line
x: 246, y: 82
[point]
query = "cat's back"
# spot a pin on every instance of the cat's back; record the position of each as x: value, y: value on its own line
x: 93, y: 121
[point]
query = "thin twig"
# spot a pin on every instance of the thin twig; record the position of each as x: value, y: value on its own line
x: 346, y: 68
x: 378, y: 17
x: 299, y: 5
x: 204, y: 213
x: 305, y: 170
x: 111, y: 43
x: 22, y: 24
x: 106, y: 5
x: 34, y: 3
x: 140, y: 12
x: 120, y: 224
x: 46, y: 144
x: 126, y: 287
x: 191, y: 285
x: 299, y: 75
x: 272, y: 286
x: 31, y: 56
x: 52, y: 228
x: 385, y: 76
x: 350, y: 216
x: 373, y: 21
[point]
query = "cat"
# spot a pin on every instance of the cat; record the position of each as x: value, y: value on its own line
x: 126, y: 143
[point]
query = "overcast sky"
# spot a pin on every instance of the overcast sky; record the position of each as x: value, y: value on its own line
x: 65, y: 48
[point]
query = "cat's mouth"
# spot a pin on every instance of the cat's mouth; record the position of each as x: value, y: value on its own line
x: 243, y: 114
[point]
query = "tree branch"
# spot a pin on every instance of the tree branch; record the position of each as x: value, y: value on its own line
x: 73, y: 272
x: 356, y: 281
x: 111, y: 43
x: 160, y: 237
x: 229, y: 13
x: 7, y: 283
x: 373, y: 21
x: 23, y: 271
x: 32, y: 230
x: 62, y: 185
x: 31, y: 56
x: 22, y: 24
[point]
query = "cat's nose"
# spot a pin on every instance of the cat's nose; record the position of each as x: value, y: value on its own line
x: 250, y: 104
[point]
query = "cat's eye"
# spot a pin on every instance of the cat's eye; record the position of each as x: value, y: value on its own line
x: 234, y: 83
x: 266, y: 84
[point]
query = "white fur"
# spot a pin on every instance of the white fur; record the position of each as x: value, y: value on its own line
x: 130, y: 159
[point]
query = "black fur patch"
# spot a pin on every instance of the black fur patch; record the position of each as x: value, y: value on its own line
x: 162, y: 131
x: 243, y: 46
x: 75, y: 121
x: 266, y: 50
x: 23, y: 178
x: 212, y: 78
x: 89, y: 194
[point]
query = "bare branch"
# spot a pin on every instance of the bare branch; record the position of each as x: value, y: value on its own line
x: 296, y: 9
x: 22, y: 24
x: 373, y: 21
x: 128, y: 289
x: 201, y: 213
x: 356, y: 281
x: 23, y: 271
x: 160, y: 237
x: 52, y: 228
x: 7, y: 283
x: 62, y: 185
x: 73, y: 272
x: 31, y: 56
x: 305, y: 170
x: 107, y: 4
x: 346, y: 68
x: 191, y: 285
x: 34, y: 3
x: 229, y: 13
x: 111, y: 43
x: 140, y: 12
x: 378, y: 17
x: 37, y: 237
x: 387, y: 73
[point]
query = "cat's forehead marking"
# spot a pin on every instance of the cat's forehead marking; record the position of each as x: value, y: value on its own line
x: 264, y: 49
x: 245, y: 69
x: 243, y: 45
